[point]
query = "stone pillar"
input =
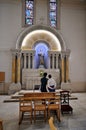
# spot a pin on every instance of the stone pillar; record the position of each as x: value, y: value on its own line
x: 53, y: 56
x: 13, y: 67
x: 24, y: 60
x: 32, y: 53
x: 49, y: 60
x: 57, y: 61
x: 67, y: 69
x: 62, y: 68
x: 32, y: 61
x: 29, y: 60
x: 18, y: 67
x: 67, y: 65
x: 53, y: 61
x: 49, y: 63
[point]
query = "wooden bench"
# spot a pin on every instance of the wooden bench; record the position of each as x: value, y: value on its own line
x: 46, y: 98
x: 40, y: 94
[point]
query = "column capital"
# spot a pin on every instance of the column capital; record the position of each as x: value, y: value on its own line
x: 16, y: 51
x: 62, y: 54
x: 24, y: 54
x: 53, y: 52
x: 18, y: 55
x: 65, y: 53
x: 28, y: 51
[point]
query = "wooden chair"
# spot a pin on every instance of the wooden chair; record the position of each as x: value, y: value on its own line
x: 39, y: 106
x: 25, y: 105
x: 54, y: 105
x: 1, y: 124
x: 65, y: 107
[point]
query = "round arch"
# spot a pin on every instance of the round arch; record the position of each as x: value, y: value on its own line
x: 31, y: 37
x: 40, y: 32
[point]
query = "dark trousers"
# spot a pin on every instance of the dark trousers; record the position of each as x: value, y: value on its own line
x: 51, y: 90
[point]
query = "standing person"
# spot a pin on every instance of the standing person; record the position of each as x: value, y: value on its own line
x: 44, y: 83
x: 51, y: 84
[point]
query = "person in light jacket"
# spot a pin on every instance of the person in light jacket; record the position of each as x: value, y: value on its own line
x: 51, y: 85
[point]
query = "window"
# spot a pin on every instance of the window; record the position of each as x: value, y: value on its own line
x: 53, y: 13
x: 29, y: 13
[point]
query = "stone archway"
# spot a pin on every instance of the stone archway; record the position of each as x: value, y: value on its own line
x: 29, y: 30
x: 23, y: 55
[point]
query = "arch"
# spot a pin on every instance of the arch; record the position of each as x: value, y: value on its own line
x: 39, y: 41
x: 48, y: 31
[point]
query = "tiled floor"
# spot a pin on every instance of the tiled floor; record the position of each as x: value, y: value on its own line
x: 76, y: 121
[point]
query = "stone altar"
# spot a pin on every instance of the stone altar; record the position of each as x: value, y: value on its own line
x: 31, y: 77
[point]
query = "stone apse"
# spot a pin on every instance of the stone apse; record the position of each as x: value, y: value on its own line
x: 39, y: 49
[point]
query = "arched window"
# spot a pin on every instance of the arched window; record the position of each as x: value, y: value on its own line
x: 53, y: 4
x: 54, y: 8
x: 28, y: 12
x: 29, y: 6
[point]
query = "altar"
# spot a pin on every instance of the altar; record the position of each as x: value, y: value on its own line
x: 32, y: 77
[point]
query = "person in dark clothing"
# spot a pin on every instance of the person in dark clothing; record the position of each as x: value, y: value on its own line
x: 44, y: 83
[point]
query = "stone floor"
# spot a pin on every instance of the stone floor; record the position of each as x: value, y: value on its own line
x: 76, y: 121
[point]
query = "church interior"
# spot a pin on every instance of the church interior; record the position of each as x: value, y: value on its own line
x: 38, y: 36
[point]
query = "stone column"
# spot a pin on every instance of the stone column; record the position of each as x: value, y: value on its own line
x: 49, y: 61
x: 24, y: 60
x: 13, y: 67
x: 67, y: 65
x: 67, y: 69
x: 18, y: 67
x: 62, y: 67
x: 32, y: 61
x: 53, y: 61
x: 33, y: 53
x: 29, y: 60
x: 57, y: 61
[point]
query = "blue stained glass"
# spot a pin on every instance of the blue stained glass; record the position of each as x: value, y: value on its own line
x: 52, y: 6
x: 29, y: 12
x: 53, y: 23
x: 29, y: 4
x: 53, y: 14
x: 29, y: 21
